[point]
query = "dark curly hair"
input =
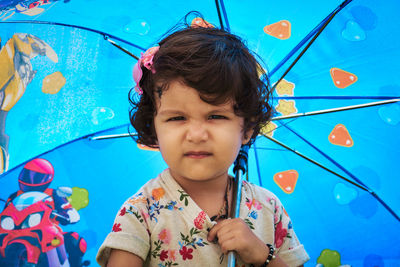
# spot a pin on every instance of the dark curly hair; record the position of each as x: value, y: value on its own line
x: 214, y: 62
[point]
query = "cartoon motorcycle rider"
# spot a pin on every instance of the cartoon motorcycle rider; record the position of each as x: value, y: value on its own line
x: 37, y: 175
x: 30, y: 231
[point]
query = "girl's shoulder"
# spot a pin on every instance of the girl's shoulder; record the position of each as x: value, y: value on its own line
x: 156, y: 189
x: 150, y: 188
x: 260, y: 194
x: 257, y: 191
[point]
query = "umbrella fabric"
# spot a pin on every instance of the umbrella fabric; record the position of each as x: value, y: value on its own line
x: 65, y: 96
x: 353, y: 61
x: 87, y: 61
x: 101, y: 179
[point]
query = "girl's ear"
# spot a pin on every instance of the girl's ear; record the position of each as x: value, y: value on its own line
x: 247, y: 136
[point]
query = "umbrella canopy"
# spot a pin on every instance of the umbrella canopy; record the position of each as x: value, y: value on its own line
x: 88, y: 101
x: 75, y: 83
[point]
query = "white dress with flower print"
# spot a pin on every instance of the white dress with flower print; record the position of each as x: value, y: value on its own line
x: 165, y: 227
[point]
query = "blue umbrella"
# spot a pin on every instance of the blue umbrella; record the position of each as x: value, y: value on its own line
x: 92, y: 26
x: 328, y: 154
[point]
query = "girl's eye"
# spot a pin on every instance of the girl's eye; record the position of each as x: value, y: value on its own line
x: 178, y: 118
x: 217, y: 117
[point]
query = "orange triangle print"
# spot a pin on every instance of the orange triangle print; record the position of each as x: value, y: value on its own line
x: 286, y: 180
x: 340, y: 136
x: 342, y: 78
x: 280, y: 29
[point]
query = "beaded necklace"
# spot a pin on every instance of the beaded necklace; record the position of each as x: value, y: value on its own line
x: 223, y: 211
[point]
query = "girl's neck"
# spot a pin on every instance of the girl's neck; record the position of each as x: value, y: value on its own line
x: 209, y: 195
x: 204, y: 188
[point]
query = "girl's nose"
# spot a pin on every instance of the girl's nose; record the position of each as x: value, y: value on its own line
x: 197, y: 132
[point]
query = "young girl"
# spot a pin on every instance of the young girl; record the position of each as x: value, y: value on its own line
x: 200, y: 100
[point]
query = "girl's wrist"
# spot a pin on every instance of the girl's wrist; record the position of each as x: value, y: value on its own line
x: 267, y: 256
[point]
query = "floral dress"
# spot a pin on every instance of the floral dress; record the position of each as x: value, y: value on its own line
x: 165, y: 227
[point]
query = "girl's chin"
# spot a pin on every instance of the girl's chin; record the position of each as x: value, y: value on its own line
x: 197, y: 176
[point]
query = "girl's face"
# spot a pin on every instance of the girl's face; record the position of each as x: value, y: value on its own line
x: 197, y: 140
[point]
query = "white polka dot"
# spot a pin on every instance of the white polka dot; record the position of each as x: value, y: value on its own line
x: 288, y: 188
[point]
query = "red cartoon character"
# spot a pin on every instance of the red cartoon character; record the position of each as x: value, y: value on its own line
x: 30, y: 234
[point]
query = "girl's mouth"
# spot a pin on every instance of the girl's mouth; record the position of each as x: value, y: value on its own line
x: 197, y: 154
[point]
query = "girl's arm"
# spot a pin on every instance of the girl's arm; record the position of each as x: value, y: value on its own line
x: 121, y: 258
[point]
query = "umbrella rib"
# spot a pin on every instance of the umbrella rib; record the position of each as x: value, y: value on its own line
x: 257, y: 164
x: 326, y: 156
x: 219, y: 14
x: 110, y: 136
x: 325, y: 111
x: 298, y: 46
x: 120, y: 47
x: 105, y: 35
x: 316, y: 163
x: 346, y: 171
x: 221, y: 2
x: 335, y: 173
x: 328, y: 20
x: 88, y: 136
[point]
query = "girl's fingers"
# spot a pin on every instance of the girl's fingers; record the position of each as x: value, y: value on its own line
x: 235, y: 235
x: 223, y: 237
x: 227, y: 225
x: 221, y: 225
x: 229, y: 244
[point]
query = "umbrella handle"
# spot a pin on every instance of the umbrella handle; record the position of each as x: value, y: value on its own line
x: 239, y: 169
x: 231, y: 259
x: 236, y: 197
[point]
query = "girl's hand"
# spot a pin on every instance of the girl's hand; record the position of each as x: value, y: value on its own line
x: 235, y: 234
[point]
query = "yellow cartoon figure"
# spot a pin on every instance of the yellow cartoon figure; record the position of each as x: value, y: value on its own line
x: 269, y: 129
x: 16, y: 73
x: 285, y: 88
x: 286, y: 107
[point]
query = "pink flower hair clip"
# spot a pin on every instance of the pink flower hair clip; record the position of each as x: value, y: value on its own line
x: 145, y: 60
